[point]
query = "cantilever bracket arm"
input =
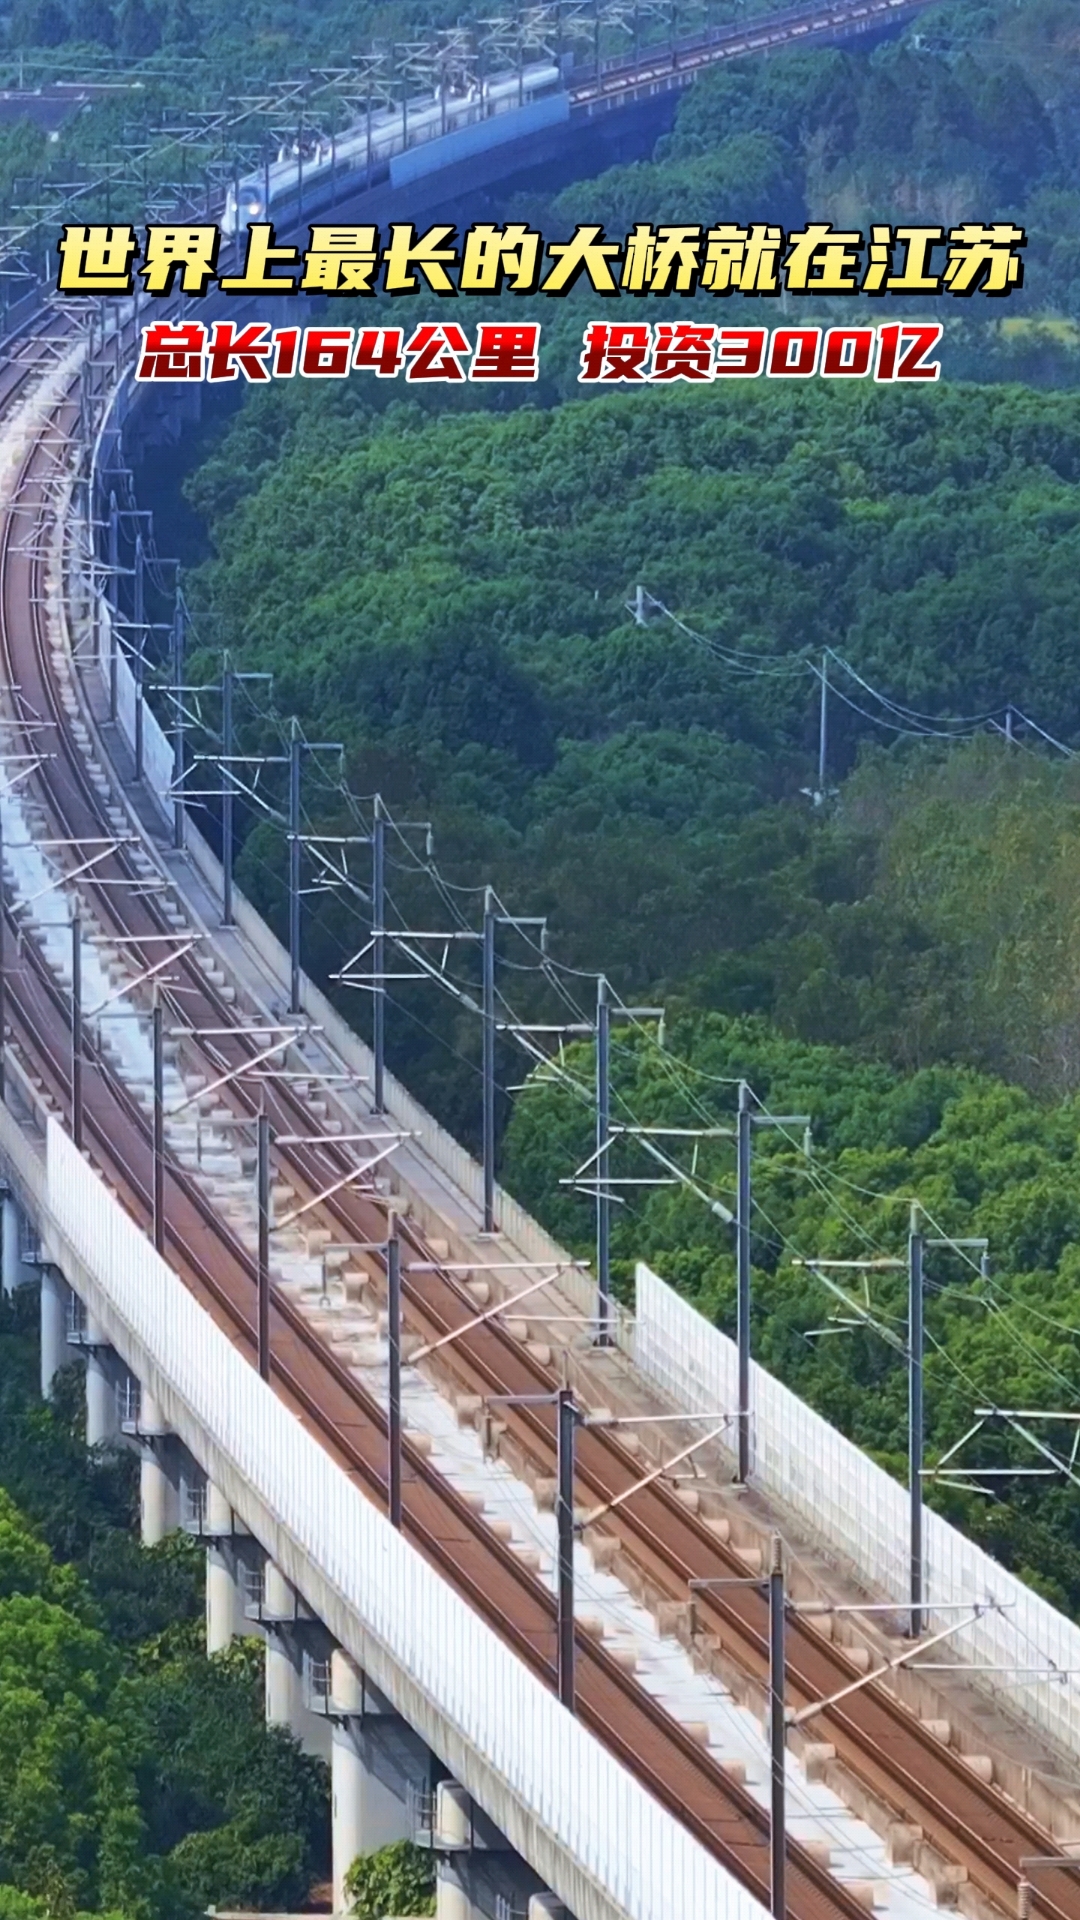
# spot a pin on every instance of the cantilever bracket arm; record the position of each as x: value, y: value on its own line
x: 889, y: 1666
x: 354, y: 1173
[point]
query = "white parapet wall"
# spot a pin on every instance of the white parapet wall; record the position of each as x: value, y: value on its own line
x: 860, y: 1513
x: 158, y: 756
x: 605, y: 1846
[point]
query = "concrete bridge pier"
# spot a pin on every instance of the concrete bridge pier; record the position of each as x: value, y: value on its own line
x: 296, y: 1643
x: 452, y: 1836
x: 158, y: 1506
x: 372, y: 1756
x: 224, y: 1597
x: 14, y: 1270
x: 54, y: 1307
x: 284, y: 1689
x: 102, y: 1417
x: 477, y: 1870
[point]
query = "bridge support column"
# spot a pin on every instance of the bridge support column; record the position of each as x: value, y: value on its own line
x: 293, y: 1637
x: 156, y: 1498
x: 102, y: 1424
x: 367, y: 1813
x: 453, y: 1837
x: 54, y: 1353
x: 154, y: 1495
x: 13, y: 1272
x: 284, y: 1695
x: 224, y: 1601
x: 475, y: 1864
x: 284, y: 1692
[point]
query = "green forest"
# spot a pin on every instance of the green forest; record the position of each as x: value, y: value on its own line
x: 137, y: 1778
x: 453, y: 603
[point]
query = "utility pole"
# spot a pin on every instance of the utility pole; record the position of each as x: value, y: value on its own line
x: 114, y: 576
x: 159, y: 1126
x: 227, y: 748
x: 742, y: 1268
x: 294, y: 867
x: 178, y: 640
x: 492, y: 921
x: 378, y: 955
x: 603, y: 1148
x: 566, y: 1424
x: 375, y: 900
x: 912, y: 1351
x: 823, y: 729
x: 225, y: 760
x: 597, y: 1166
x: 915, y: 1416
x: 747, y: 1120
x: 297, y: 746
x: 566, y: 1413
x: 262, y: 1137
x: 76, y: 1032
x: 140, y: 656
x: 264, y: 1140
x: 777, y: 1735
x: 488, y: 1017
x: 776, y: 1722
x: 393, y: 1424
x: 403, y: 937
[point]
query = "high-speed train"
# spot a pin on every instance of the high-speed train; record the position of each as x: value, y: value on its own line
x: 315, y: 171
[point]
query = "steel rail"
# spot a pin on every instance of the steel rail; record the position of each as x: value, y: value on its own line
x: 679, y: 65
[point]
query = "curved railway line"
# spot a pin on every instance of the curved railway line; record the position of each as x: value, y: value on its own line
x: 657, y: 69
x: 886, y: 1746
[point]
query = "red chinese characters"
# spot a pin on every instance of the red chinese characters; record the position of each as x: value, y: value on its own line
x: 172, y: 352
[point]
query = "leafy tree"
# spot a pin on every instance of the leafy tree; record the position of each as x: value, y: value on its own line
x: 454, y: 606
x: 93, y: 22
x: 39, y: 23
x: 225, y: 1794
x: 134, y: 1774
x: 138, y: 29
x: 241, y: 1866
x: 394, y: 1879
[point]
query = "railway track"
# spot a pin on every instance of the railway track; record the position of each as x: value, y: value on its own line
x: 910, y: 1771
x: 660, y: 69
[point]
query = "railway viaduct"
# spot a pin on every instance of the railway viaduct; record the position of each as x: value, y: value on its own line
x: 407, y: 1596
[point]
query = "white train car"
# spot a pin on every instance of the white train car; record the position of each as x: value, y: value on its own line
x: 302, y: 182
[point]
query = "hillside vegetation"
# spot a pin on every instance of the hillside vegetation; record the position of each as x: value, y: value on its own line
x: 136, y: 1777
x: 447, y: 595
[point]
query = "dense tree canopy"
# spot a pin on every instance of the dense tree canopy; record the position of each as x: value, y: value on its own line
x: 451, y: 600
x: 137, y: 1778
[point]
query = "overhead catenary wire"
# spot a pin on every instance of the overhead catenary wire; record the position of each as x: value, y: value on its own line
x: 685, y: 1080
x: 895, y: 717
